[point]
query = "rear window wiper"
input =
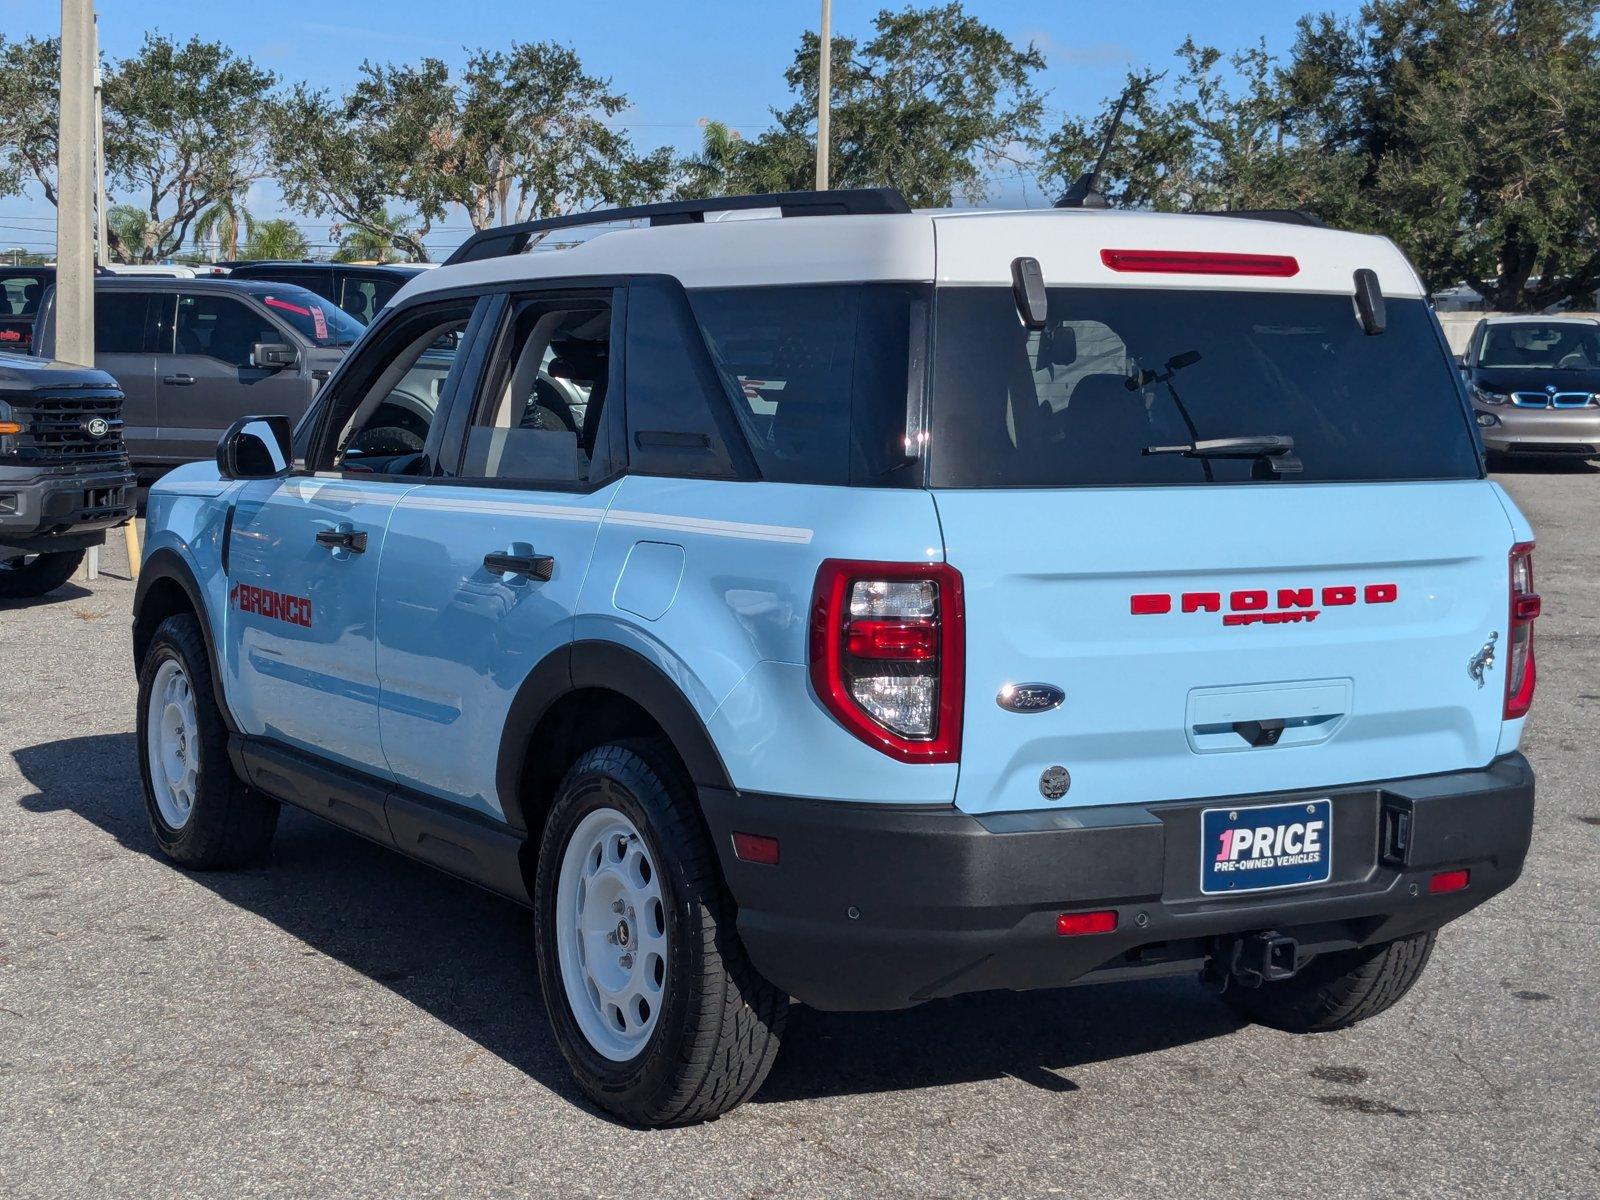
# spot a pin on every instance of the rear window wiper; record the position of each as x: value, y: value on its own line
x: 1275, y: 451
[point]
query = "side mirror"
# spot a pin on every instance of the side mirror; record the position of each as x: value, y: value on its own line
x: 274, y: 356
x: 255, y: 448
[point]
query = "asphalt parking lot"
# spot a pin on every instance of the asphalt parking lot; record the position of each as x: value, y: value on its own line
x: 340, y: 1022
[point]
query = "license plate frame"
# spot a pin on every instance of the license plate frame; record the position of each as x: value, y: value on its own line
x: 1220, y: 871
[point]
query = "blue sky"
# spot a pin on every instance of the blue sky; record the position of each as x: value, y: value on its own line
x: 676, y: 62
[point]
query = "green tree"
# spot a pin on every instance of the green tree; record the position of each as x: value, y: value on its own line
x: 932, y: 104
x: 520, y: 134
x: 365, y: 243
x: 276, y: 239
x: 182, y: 131
x: 125, y: 224
x: 1466, y: 130
x: 707, y: 173
x: 1195, y: 139
x: 223, y: 222
x: 1469, y: 131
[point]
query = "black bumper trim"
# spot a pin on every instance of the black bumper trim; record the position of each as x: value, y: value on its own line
x: 946, y: 902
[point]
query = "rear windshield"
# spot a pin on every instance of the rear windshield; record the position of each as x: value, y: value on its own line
x: 1118, y: 370
x: 319, y: 320
x: 1559, y: 345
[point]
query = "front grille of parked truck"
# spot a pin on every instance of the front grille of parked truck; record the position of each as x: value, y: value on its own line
x: 61, y: 427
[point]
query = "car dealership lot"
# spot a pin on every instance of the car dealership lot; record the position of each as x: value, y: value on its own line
x: 344, y: 1022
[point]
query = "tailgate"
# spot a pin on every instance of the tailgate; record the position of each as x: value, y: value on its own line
x: 1217, y: 641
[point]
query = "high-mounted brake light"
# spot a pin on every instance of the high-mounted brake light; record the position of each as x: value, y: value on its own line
x: 888, y: 655
x: 1521, y: 674
x: 1201, y: 262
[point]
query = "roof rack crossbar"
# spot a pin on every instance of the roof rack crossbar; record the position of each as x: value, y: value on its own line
x: 514, y: 239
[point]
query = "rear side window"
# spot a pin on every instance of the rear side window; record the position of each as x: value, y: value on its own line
x: 119, y: 322
x: 1116, y: 371
x: 363, y: 297
x: 818, y: 375
x: 19, y: 295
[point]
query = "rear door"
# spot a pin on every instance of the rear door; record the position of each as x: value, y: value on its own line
x: 1217, y: 627
x: 124, y: 332
x: 482, y: 570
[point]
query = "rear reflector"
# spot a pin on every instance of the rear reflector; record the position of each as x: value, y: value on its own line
x: 1201, y: 262
x: 754, y: 848
x: 1449, y: 881
x: 1073, y: 924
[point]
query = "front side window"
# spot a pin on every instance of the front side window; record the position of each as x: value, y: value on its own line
x: 220, y: 327
x: 539, y: 419
x: 388, y: 402
x: 1121, y: 380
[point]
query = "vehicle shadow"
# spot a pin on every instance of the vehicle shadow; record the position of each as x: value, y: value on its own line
x: 465, y: 957
x: 67, y: 591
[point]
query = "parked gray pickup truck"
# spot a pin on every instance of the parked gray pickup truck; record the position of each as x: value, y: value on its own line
x: 64, y: 474
x: 194, y: 355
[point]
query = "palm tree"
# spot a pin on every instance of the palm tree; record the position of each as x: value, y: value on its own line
x: 224, y: 221
x: 276, y: 239
x: 126, y: 224
x: 363, y: 243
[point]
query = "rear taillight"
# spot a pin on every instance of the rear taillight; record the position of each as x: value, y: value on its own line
x: 1521, y: 673
x: 888, y: 649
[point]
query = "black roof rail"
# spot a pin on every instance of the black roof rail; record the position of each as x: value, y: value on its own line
x: 514, y: 239
x: 1283, y: 216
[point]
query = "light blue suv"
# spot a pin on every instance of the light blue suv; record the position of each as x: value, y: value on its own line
x: 800, y: 597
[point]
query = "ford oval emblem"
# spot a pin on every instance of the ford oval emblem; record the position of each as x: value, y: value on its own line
x: 1030, y: 697
x: 97, y: 427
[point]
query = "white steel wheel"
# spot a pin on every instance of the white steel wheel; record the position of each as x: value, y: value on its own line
x: 611, y: 934
x: 172, y: 742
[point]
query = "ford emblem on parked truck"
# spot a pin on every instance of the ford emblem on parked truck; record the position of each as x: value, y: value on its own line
x: 97, y: 427
x: 1029, y: 697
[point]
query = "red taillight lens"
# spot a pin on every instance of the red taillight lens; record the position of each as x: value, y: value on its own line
x: 1201, y: 262
x: 1448, y: 881
x: 1521, y: 673
x: 888, y: 653
x: 1075, y: 924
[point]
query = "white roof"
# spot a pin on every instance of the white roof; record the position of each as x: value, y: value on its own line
x: 947, y: 247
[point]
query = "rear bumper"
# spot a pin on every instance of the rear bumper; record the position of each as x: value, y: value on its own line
x: 63, y: 508
x: 947, y: 903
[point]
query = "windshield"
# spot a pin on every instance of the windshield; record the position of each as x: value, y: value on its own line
x: 1565, y: 346
x: 1116, y: 371
x: 319, y: 320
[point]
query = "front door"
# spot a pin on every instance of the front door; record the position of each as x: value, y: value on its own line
x: 302, y: 584
x: 123, y: 336
x: 304, y: 555
x: 481, y: 573
x: 207, y: 377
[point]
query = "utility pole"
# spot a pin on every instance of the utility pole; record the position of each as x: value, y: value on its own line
x: 75, y: 187
x: 101, y: 242
x: 824, y: 90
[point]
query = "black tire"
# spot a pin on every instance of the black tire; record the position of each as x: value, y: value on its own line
x: 1334, y: 991
x: 37, y: 575
x: 230, y: 823
x: 719, y: 1023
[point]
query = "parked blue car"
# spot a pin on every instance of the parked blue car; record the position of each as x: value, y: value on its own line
x: 801, y: 597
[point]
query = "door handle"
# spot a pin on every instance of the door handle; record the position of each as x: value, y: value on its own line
x: 529, y: 566
x: 353, y: 540
x: 178, y: 380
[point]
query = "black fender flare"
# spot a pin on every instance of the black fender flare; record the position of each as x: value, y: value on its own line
x: 609, y: 665
x: 167, y: 564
